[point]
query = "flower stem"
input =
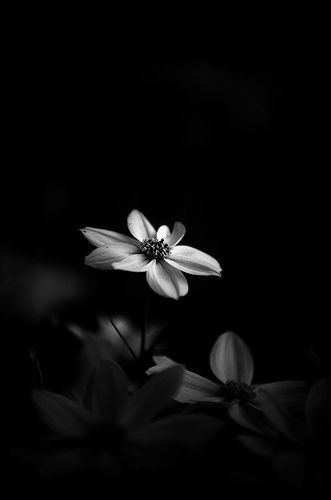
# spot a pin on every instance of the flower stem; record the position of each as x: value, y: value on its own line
x: 123, y: 340
x: 144, y: 325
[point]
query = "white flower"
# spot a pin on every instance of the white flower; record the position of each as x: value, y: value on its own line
x: 233, y: 366
x: 155, y: 252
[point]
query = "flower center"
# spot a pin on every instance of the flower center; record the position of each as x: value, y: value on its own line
x: 155, y: 249
x: 240, y: 391
x: 105, y: 436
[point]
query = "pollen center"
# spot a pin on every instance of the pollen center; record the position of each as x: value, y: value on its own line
x: 155, y: 249
x: 240, y: 391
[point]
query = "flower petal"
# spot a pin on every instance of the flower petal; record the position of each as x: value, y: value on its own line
x: 139, y: 226
x: 178, y: 431
x: 231, y: 360
x: 154, y: 396
x: 291, y: 393
x: 163, y: 232
x: 99, y: 237
x: 318, y: 411
x: 162, y: 362
x: 137, y: 263
x: 193, y: 261
x: 62, y: 415
x: 264, y: 447
x: 281, y: 418
x: 167, y: 281
x: 108, y: 392
x: 105, y: 256
x: 193, y: 388
x: 251, y: 418
x: 177, y: 234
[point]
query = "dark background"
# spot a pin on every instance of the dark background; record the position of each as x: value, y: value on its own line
x: 185, y: 119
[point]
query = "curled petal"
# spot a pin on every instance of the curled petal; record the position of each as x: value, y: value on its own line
x: 177, y: 234
x: 193, y: 261
x: 163, y: 232
x: 137, y: 263
x: 139, y: 226
x: 62, y: 415
x: 231, y: 360
x: 99, y: 237
x: 161, y: 363
x: 104, y: 257
x: 167, y: 281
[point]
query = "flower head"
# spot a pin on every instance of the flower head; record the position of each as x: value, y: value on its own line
x: 101, y: 429
x: 233, y: 366
x: 155, y: 252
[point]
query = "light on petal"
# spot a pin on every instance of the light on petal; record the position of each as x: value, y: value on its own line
x: 137, y: 263
x: 193, y: 261
x: 139, y: 226
x: 167, y: 281
x: 104, y: 257
x: 177, y: 234
x: 163, y: 232
x: 99, y: 237
x: 231, y: 360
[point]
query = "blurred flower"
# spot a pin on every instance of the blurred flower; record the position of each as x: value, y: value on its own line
x: 232, y: 363
x: 300, y: 450
x: 155, y: 252
x: 102, y: 430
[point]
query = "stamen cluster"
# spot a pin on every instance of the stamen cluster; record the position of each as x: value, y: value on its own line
x: 155, y: 249
x: 240, y: 391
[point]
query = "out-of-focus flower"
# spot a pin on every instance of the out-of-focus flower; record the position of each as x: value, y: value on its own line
x: 232, y: 364
x: 117, y: 338
x: 103, y: 430
x: 300, y: 451
x: 155, y: 252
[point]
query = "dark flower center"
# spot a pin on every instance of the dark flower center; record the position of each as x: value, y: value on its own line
x: 155, y: 249
x: 240, y: 391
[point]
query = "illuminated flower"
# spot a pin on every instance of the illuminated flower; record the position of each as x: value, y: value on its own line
x: 103, y: 430
x: 232, y: 364
x: 155, y: 252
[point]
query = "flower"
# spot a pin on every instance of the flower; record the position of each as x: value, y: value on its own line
x: 232, y: 363
x: 155, y: 252
x: 103, y: 430
x: 300, y: 450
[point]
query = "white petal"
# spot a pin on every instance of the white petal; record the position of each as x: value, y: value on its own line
x: 137, y: 263
x: 99, y: 237
x: 230, y: 359
x: 167, y: 281
x: 162, y: 362
x: 163, y: 232
x: 177, y: 234
x: 193, y: 261
x: 139, y: 226
x: 195, y: 388
x: 104, y: 257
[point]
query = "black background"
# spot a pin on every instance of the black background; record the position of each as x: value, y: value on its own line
x: 193, y: 119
